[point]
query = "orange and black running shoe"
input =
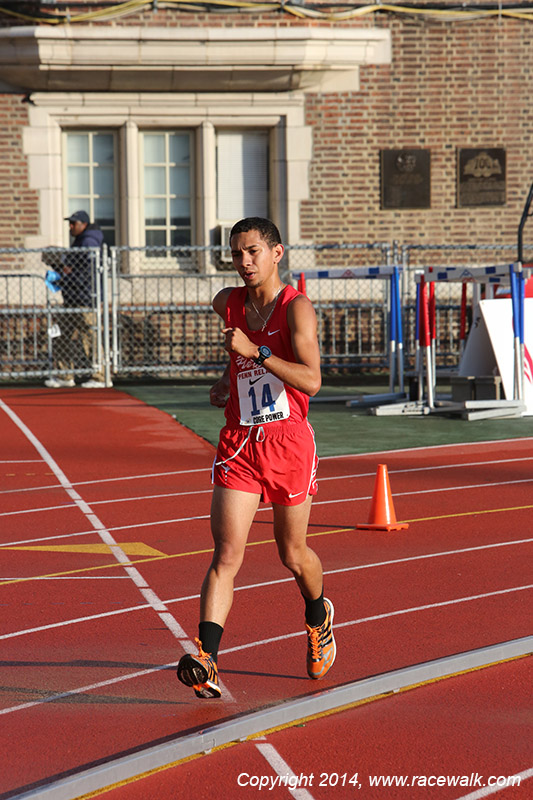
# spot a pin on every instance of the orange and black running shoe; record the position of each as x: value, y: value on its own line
x: 321, y: 648
x: 200, y: 672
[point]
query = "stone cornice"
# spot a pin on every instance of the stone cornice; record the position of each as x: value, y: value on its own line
x: 84, y: 58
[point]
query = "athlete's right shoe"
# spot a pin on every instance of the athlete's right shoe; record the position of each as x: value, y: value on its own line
x: 200, y: 672
x: 321, y: 648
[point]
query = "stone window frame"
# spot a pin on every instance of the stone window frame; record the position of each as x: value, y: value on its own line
x: 128, y: 113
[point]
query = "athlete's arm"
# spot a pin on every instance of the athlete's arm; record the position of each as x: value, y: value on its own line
x: 220, y: 301
x: 219, y: 392
x: 302, y: 374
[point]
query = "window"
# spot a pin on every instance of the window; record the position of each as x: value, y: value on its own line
x: 274, y: 180
x: 242, y: 174
x: 167, y: 188
x: 91, y: 178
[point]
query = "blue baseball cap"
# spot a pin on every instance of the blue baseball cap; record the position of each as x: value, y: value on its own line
x: 79, y: 216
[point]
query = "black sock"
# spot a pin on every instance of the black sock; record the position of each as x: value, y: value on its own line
x: 210, y: 634
x: 315, y: 611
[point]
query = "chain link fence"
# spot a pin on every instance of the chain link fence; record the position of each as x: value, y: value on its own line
x: 51, y: 314
x: 69, y: 315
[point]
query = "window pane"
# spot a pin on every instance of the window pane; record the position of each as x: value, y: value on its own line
x: 180, y: 238
x: 103, y: 149
x: 154, y: 180
x: 104, y: 180
x: 78, y: 148
x: 154, y: 148
x: 180, y: 213
x: 155, y: 238
x: 104, y: 212
x: 78, y: 180
x: 155, y: 211
x: 179, y: 148
x: 167, y: 187
x: 91, y: 180
x: 75, y: 204
x: 180, y: 180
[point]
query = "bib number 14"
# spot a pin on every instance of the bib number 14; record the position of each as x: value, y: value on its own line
x: 266, y: 399
x: 262, y: 398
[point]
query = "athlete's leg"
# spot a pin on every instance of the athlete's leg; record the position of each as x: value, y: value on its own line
x: 232, y: 513
x: 290, y: 531
x: 290, y: 527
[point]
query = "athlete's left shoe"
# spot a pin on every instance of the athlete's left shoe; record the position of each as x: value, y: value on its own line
x: 200, y: 672
x: 321, y: 648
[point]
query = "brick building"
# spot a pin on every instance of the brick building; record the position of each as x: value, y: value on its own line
x: 166, y: 121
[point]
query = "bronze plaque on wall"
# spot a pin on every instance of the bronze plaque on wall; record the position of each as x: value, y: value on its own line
x: 405, y: 178
x: 481, y: 176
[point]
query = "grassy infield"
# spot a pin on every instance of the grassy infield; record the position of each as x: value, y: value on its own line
x: 339, y: 430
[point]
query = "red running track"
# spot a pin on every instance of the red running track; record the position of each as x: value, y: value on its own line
x: 110, y: 499
x: 444, y: 740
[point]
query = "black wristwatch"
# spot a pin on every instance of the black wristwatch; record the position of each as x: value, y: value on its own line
x: 264, y: 353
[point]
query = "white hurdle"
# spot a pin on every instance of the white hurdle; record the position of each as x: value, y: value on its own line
x: 478, y: 275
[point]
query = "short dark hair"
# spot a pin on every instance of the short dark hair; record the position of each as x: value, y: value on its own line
x: 265, y: 227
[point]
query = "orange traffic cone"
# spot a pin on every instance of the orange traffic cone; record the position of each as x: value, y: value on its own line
x: 382, y: 516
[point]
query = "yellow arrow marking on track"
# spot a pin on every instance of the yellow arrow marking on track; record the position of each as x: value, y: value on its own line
x: 129, y: 548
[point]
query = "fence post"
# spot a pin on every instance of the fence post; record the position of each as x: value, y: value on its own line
x: 103, y: 277
x: 114, y: 308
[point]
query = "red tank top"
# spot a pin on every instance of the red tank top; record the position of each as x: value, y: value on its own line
x: 256, y: 396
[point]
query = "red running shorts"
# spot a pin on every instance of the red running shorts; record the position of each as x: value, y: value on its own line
x: 276, y: 460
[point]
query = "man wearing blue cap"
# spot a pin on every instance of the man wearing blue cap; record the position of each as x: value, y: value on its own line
x: 76, y: 280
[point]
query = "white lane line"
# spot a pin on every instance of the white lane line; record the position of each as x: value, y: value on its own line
x: 286, y: 777
x: 39, y: 510
x: 436, y: 490
x: 429, y: 555
x: 149, y: 595
x: 152, y: 496
x: 128, y: 528
x: 99, y: 502
x: 75, y: 621
x: 52, y: 698
x: 466, y: 445
x: 111, y: 500
x: 246, y: 587
x: 392, y: 471
x: 258, y: 643
x: 207, y: 470
x: 48, y: 538
x: 488, y: 790
x: 376, y: 617
x: 459, y: 465
x: 68, y: 578
x: 119, y: 478
x: 172, y: 521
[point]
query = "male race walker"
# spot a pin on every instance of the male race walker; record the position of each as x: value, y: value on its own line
x: 266, y: 450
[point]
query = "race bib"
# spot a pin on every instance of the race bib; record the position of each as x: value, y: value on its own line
x: 262, y: 397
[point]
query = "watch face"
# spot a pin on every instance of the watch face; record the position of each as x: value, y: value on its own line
x: 265, y: 351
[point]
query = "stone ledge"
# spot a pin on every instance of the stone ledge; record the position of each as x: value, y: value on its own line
x: 186, y: 59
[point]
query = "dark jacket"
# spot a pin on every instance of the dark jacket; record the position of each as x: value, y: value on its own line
x: 79, y: 286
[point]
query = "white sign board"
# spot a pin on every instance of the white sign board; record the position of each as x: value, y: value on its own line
x: 489, y: 348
